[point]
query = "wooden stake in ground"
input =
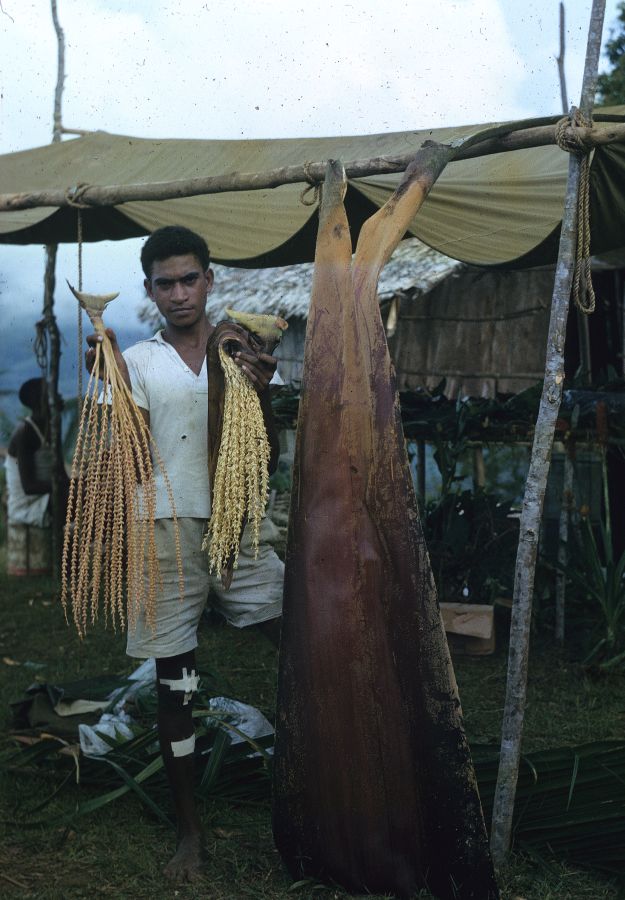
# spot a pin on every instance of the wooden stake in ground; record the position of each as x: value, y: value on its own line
x: 536, y: 484
x: 109, y: 544
x: 373, y: 783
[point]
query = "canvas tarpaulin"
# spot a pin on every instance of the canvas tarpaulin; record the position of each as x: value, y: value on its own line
x: 502, y: 209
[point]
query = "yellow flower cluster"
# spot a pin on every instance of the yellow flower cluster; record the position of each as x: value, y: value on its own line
x: 239, y: 494
x: 109, y: 549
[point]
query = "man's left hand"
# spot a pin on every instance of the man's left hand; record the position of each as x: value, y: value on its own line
x: 259, y: 368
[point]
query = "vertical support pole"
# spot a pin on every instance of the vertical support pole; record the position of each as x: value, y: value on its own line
x: 583, y: 334
x: 54, y: 401
x: 531, y: 513
x: 622, y: 293
x: 479, y: 470
x: 421, y: 472
x: 563, y: 539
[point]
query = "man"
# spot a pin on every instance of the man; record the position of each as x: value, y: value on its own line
x: 167, y: 374
x: 30, y: 463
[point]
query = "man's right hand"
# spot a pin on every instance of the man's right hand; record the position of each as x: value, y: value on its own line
x: 93, y: 340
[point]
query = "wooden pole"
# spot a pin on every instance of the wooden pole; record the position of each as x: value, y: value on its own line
x: 54, y: 400
x: 533, y: 500
x: 421, y: 472
x: 496, y: 140
x: 560, y: 60
x: 585, y: 371
x: 621, y: 296
x: 479, y: 469
x: 57, y: 128
x: 563, y: 542
x: 585, y: 375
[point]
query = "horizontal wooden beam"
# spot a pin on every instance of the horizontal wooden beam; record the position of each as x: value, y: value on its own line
x: 112, y: 195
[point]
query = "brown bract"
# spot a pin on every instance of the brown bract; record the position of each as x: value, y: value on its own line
x: 373, y: 785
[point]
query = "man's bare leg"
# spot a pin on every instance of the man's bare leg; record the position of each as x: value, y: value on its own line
x: 176, y: 684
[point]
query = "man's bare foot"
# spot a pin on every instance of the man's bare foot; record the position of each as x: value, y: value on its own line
x: 188, y: 860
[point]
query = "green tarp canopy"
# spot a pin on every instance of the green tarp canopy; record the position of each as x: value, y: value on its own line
x: 502, y: 209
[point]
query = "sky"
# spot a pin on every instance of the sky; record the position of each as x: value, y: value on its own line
x: 260, y: 69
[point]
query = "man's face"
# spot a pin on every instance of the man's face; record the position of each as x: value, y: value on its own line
x: 179, y: 286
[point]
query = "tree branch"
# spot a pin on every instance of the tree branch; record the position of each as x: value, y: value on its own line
x: 560, y: 61
x: 60, y: 80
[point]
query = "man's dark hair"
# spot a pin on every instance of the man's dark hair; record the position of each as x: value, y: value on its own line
x: 173, y: 240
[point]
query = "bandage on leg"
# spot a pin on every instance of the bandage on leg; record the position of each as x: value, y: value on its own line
x: 185, y: 747
x: 187, y: 684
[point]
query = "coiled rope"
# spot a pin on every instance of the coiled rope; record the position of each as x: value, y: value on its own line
x: 568, y: 139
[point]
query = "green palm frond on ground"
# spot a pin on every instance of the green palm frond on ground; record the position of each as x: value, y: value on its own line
x: 570, y: 800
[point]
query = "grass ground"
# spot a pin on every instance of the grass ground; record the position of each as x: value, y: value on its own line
x: 118, y: 852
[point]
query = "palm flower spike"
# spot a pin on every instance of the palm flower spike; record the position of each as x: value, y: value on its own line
x: 109, y: 548
x: 239, y: 450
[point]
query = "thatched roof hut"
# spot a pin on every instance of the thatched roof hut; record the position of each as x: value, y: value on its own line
x: 285, y: 291
x: 481, y: 330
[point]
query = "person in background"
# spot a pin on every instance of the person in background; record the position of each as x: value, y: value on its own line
x: 30, y: 462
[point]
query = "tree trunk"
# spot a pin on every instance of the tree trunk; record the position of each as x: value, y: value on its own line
x: 536, y: 484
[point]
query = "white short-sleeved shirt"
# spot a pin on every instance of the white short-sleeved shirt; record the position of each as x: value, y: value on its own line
x: 176, y: 399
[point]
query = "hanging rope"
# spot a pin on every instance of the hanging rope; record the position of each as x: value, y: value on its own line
x: 79, y: 307
x: 569, y: 140
x: 40, y: 347
x: 73, y: 195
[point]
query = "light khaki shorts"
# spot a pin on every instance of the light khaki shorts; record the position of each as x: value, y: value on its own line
x: 255, y: 594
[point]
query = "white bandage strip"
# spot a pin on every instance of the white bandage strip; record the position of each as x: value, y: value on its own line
x: 183, y: 748
x: 188, y: 683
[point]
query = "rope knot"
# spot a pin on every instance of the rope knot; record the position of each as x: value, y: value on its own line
x: 568, y: 137
x: 313, y: 185
x: 74, y: 195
